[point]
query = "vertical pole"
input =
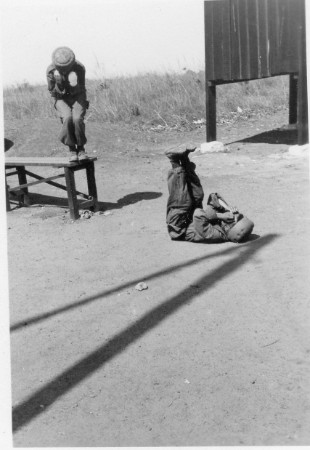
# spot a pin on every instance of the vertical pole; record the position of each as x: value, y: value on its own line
x: 22, y: 179
x: 292, y: 117
x: 211, y: 111
x: 302, y: 96
x: 7, y: 194
x: 91, y: 182
x: 73, y: 203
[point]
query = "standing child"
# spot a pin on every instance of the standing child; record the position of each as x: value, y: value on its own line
x: 66, y: 83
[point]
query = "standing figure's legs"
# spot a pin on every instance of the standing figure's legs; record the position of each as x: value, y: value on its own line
x: 67, y: 135
x: 78, y: 113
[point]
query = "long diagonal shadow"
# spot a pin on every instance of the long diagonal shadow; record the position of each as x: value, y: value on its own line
x: 106, y: 293
x: 277, y: 136
x: 32, y: 407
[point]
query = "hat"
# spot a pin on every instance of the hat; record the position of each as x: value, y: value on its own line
x: 241, y: 230
x: 63, y: 58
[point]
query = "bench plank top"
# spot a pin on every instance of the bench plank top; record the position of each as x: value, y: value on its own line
x: 44, y: 161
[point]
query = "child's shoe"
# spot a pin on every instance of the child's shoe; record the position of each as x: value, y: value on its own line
x: 73, y: 155
x: 82, y: 156
x: 180, y: 151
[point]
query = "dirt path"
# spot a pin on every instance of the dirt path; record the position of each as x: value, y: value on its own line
x: 215, y: 351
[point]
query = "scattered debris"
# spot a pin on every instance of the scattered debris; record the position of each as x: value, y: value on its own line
x: 141, y: 286
x: 299, y: 150
x: 158, y: 128
x: 104, y: 213
x: 199, y: 121
x: 271, y: 343
x: 86, y: 214
x: 213, y: 147
x: 186, y: 382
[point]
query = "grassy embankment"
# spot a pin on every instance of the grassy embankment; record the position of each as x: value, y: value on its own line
x: 153, y: 100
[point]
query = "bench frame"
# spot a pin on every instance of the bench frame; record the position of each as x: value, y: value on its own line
x: 18, y: 164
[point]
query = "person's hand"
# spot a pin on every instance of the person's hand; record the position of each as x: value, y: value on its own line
x: 59, y: 82
x: 57, y: 76
x: 226, y: 216
x: 234, y: 210
x: 73, y: 80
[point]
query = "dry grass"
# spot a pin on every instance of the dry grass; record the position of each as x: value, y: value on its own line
x: 170, y: 100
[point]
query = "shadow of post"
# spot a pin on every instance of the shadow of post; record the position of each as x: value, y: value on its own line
x: 77, y: 304
x: 278, y: 136
x: 24, y: 412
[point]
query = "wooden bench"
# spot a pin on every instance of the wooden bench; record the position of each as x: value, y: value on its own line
x: 19, y: 164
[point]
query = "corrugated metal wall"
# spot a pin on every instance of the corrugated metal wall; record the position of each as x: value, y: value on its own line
x: 250, y: 39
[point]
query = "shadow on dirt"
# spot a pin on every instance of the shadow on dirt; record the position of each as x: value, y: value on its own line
x: 26, y: 411
x: 253, y: 237
x: 129, y: 200
x: 278, y: 136
x: 41, y: 317
x: 62, y: 202
x: 7, y: 144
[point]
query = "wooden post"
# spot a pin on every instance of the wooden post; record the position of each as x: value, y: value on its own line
x: 91, y: 182
x: 73, y: 203
x: 211, y: 111
x: 293, y: 99
x: 302, y: 108
x: 22, y: 179
x: 7, y: 194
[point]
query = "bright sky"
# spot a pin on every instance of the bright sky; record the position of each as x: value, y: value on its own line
x: 110, y: 37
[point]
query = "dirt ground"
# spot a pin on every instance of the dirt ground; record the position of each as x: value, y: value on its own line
x: 215, y: 352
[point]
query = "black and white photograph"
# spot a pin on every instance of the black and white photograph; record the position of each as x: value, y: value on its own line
x: 155, y: 223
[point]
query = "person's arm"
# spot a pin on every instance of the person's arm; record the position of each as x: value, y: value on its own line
x: 227, y: 216
x: 232, y: 209
x: 81, y: 73
x: 231, y: 214
x: 50, y: 79
x: 55, y: 82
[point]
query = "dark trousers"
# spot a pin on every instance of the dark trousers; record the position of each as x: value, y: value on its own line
x: 71, y: 111
x: 185, y: 217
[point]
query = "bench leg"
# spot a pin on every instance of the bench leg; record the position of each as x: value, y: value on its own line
x: 22, y: 179
x: 91, y: 182
x: 73, y: 203
x: 211, y: 111
x: 7, y: 195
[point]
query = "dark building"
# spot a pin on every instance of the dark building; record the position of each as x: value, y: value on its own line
x: 252, y: 39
